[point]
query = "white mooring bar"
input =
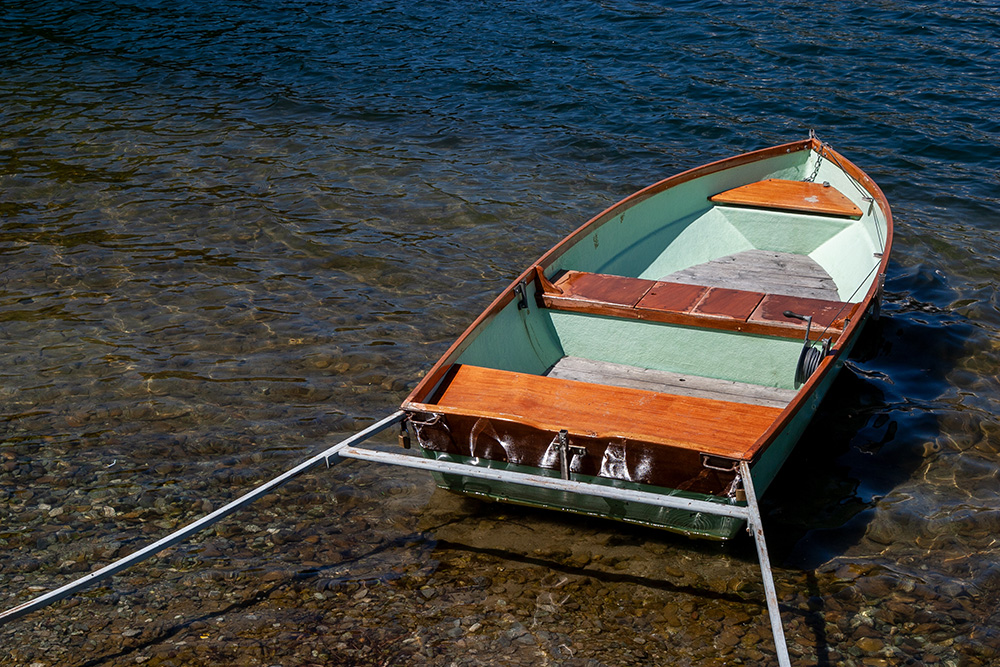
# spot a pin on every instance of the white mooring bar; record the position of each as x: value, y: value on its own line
x: 348, y: 449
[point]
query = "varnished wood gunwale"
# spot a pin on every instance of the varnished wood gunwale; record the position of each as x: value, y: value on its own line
x: 414, y: 402
x: 861, y: 313
x: 437, y: 371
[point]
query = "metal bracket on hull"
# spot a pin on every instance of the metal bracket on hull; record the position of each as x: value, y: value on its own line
x: 719, y: 463
x: 566, y: 452
x: 520, y: 290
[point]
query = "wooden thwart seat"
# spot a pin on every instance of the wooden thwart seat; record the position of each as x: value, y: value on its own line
x: 694, y: 305
x: 795, y: 196
x: 680, y: 384
x: 719, y: 428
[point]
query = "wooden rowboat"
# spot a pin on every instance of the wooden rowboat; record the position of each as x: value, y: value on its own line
x: 656, y: 366
x: 687, y: 330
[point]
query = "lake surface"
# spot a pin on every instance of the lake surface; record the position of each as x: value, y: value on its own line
x: 233, y: 233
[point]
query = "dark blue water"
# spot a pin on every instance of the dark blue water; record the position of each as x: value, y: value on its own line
x: 234, y: 232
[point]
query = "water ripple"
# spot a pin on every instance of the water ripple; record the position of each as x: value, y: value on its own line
x: 232, y: 232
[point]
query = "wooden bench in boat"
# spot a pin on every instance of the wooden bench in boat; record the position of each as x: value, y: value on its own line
x: 795, y: 196
x: 681, y: 384
x: 694, y: 305
x: 709, y: 426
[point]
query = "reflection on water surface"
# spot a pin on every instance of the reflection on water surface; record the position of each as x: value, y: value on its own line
x: 233, y: 234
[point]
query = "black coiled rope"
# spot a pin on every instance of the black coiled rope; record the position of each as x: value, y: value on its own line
x: 811, y: 355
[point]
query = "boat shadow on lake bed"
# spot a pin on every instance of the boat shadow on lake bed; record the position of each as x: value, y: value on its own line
x: 874, y: 430
x: 852, y: 565
x: 889, y: 500
x: 373, y: 566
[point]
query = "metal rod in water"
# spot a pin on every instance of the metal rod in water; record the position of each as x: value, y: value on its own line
x: 554, y: 483
x: 751, y: 513
x: 192, y: 528
x: 753, y: 521
x: 346, y: 449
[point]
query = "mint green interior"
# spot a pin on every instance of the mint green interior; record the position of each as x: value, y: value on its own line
x: 629, y: 239
x: 713, y: 353
x: 669, y: 231
x: 651, y: 238
x: 672, y: 230
x: 680, y: 227
x: 532, y: 340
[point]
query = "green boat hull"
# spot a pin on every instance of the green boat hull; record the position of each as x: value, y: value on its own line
x: 690, y: 524
x: 500, y: 397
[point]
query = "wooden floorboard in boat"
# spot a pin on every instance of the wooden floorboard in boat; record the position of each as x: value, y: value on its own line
x: 762, y: 271
x: 620, y: 375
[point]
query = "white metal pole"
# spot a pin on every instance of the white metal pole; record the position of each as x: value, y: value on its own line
x: 755, y: 527
x: 192, y: 528
x: 552, y: 483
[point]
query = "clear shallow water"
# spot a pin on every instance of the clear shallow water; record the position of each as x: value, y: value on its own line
x: 232, y: 234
